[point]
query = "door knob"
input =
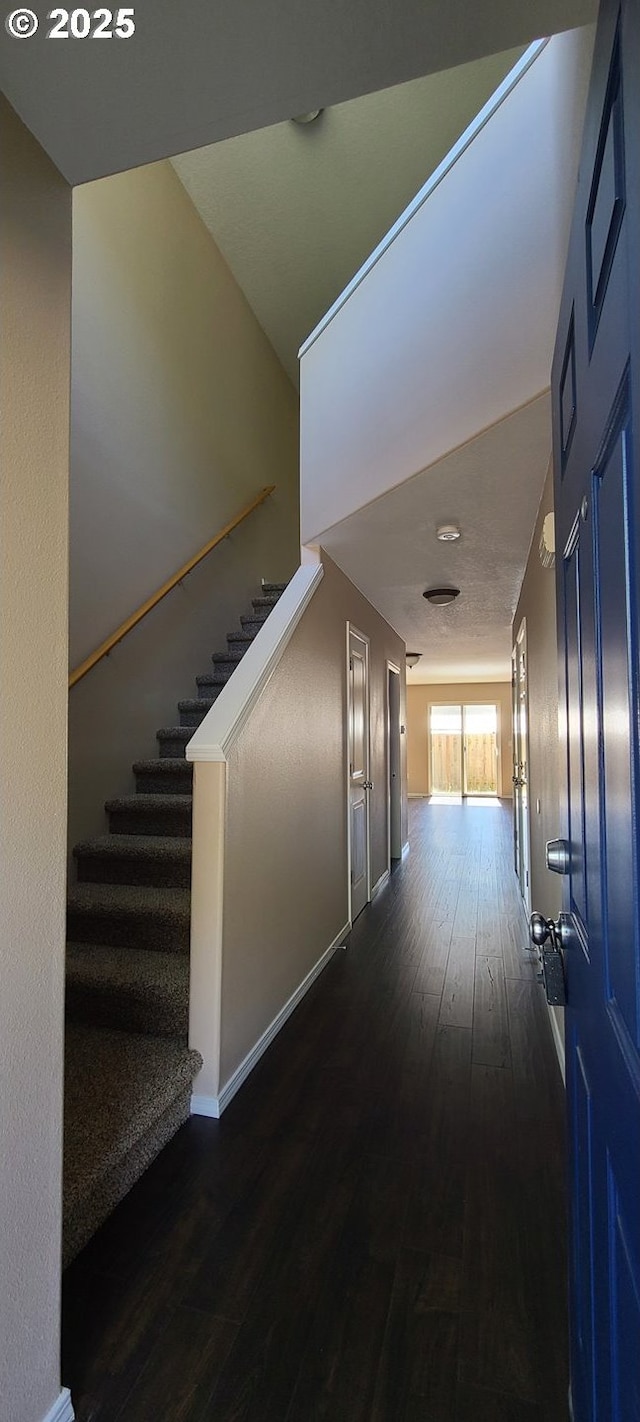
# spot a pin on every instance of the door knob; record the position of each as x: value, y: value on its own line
x: 367, y: 784
x: 558, y: 856
x: 541, y: 929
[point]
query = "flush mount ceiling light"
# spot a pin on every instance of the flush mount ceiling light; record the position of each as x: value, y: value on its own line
x: 449, y: 533
x: 440, y: 596
x: 412, y: 658
x: 307, y: 118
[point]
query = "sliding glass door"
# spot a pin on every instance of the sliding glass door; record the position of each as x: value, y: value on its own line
x: 463, y: 749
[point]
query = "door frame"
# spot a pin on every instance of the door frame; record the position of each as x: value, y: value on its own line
x: 525, y: 813
x: 392, y: 670
x: 351, y: 627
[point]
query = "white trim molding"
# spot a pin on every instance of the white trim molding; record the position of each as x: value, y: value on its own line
x: 380, y: 883
x: 222, y: 725
x: 406, y: 847
x: 460, y: 146
x: 62, y: 1410
x: 215, y: 1105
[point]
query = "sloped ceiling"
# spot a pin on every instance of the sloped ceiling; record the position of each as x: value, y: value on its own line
x: 491, y: 489
x: 194, y: 74
x: 296, y: 210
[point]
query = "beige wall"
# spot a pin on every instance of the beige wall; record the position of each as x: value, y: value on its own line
x: 420, y: 698
x: 181, y: 412
x: 538, y: 605
x: 35, y: 261
x: 286, y: 893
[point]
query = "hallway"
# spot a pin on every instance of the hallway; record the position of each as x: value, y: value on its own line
x: 374, y: 1231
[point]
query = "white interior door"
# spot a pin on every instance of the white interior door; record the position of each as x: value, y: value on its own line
x: 359, y: 782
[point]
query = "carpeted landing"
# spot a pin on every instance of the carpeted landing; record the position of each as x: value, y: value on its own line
x: 129, y: 1070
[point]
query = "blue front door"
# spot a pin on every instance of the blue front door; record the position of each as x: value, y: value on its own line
x: 596, y: 400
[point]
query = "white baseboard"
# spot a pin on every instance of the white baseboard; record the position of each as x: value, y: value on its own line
x: 406, y: 847
x: 62, y: 1411
x: 380, y: 883
x: 417, y: 795
x: 559, y: 1044
x: 205, y: 1106
x: 215, y: 1105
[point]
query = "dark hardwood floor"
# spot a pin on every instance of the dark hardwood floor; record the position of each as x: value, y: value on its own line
x: 374, y: 1231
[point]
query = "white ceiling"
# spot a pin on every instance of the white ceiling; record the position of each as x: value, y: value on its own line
x: 194, y: 74
x: 297, y: 210
x: 491, y: 488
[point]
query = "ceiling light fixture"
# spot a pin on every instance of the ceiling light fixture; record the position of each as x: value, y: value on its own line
x: 412, y: 658
x: 449, y: 533
x: 441, y: 596
x: 307, y: 118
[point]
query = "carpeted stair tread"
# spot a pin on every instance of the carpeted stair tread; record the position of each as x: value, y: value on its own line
x: 198, y: 704
x: 146, y: 992
x: 138, y: 846
x: 150, y: 814
x: 267, y: 601
x: 119, y: 1089
x: 253, y: 624
x: 169, y: 765
x: 243, y: 638
x: 231, y: 657
x: 173, y: 741
x: 134, y: 915
x: 135, y: 859
x: 148, y: 802
x: 171, y: 773
x: 214, y: 681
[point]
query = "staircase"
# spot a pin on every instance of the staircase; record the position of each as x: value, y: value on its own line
x: 129, y: 1070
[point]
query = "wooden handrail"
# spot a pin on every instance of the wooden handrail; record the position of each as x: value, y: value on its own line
x: 156, y: 597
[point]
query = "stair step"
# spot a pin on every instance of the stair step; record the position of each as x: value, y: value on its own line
x: 129, y: 916
x: 228, y: 659
x: 171, y: 775
x: 172, y: 741
x: 156, y: 815
x: 161, y: 860
x: 265, y: 604
x: 240, y: 641
x: 144, y: 992
x: 253, y: 624
x: 214, y: 681
x: 194, y: 710
x: 125, y: 1097
x: 277, y: 588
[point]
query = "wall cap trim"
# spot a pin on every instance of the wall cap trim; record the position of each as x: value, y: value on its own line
x: 213, y: 1106
x: 217, y: 733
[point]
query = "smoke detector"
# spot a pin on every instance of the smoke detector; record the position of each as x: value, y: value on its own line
x: 448, y: 533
